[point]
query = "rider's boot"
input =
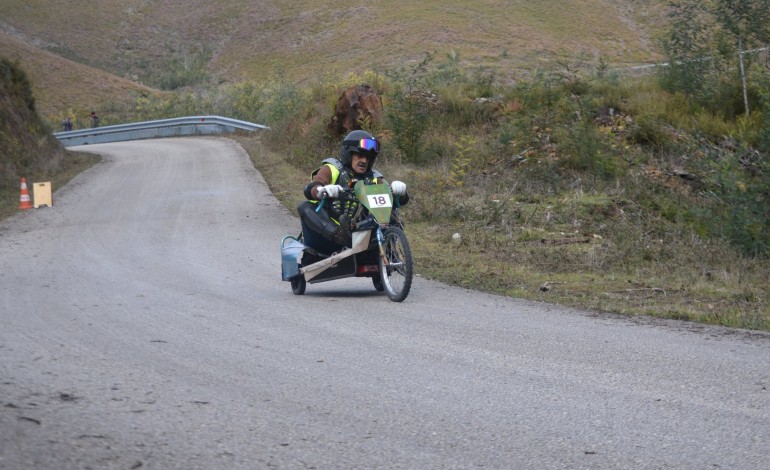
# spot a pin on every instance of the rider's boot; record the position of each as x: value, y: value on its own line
x: 342, y: 234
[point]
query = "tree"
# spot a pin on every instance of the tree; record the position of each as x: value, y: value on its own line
x: 747, y: 24
x: 407, y: 114
x: 687, y: 47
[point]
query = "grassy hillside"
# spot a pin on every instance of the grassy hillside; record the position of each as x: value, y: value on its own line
x: 254, y: 39
x: 27, y: 148
x: 62, y: 87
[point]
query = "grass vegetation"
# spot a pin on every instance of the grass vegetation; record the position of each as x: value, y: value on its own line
x: 27, y: 148
x: 247, y: 39
x: 62, y: 87
x: 574, y: 188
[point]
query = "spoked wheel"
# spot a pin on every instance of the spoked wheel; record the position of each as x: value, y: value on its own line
x: 397, y: 268
x: 298, y: 284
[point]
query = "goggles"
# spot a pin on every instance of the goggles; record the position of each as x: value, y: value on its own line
x: 371, y: 145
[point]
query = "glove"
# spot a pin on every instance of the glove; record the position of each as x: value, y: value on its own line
x: 330, y: 190
x: 398, y: 188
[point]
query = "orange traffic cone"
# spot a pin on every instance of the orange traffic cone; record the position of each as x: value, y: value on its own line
x: 25, y: 202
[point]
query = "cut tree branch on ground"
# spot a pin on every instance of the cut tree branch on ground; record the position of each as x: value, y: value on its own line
x: 643, y: 289
x: 565, y: 241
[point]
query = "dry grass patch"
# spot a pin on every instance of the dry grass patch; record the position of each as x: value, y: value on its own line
x: 62, y: 87
x: 253, y: 40
x: 565, y: 274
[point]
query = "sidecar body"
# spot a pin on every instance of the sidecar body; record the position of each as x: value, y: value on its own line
x: 327, y: 268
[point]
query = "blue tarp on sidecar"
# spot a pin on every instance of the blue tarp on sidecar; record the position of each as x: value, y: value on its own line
x: 291, y: 253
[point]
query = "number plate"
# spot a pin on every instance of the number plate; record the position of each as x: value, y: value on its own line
x: 379, y: 200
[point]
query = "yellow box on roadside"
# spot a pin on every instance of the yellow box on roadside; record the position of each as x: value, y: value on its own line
x: 42, y: 194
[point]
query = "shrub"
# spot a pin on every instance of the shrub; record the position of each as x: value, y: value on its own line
x: 740, y: 194
x: 407, y: 114
x: 649, y: 130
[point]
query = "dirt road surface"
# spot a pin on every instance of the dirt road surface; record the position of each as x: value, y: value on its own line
x: 144, y: 324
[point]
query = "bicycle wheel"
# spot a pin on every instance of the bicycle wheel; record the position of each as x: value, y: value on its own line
x: 396, y: 269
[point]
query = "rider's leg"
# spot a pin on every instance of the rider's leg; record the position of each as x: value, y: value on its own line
x: 317, y: 221
x: 314, y: 240
x: 320, y: 223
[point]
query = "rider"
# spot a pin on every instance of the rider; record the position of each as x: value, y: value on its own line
x: 329, y: 229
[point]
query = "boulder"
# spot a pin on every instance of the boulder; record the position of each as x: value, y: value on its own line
x: 358, y: 105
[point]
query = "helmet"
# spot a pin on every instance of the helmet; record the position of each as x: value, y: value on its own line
x: 360, y: 142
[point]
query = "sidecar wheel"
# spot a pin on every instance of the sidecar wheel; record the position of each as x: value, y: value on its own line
x: 397, y: 268
x: 298, y: 284
x: 377, y: 281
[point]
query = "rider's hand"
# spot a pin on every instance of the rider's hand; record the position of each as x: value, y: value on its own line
x: 330, y: 190
x: 398, y: 188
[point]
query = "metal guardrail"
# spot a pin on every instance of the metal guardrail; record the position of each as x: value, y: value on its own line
x: 175, y: 127
x: 644, y: 67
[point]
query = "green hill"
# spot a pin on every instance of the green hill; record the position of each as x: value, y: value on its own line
x: 253, y: 39
x: 63, y: 87
x: 27, y: 148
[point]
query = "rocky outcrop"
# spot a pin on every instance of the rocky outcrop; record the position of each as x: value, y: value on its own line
x: 357, y: 106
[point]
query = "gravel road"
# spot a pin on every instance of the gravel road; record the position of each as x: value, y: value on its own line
x: 144, y: 324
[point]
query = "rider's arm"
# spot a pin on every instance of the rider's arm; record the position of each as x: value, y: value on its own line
x: 322, y: 177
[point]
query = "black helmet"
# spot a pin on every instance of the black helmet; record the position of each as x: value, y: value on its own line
x: 360, y: 142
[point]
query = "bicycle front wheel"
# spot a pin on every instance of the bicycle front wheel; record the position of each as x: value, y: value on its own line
x: 396, y: 267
